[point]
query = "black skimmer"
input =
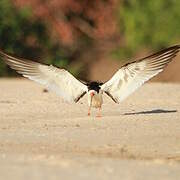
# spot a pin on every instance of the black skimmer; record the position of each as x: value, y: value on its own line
x: 124, y: 82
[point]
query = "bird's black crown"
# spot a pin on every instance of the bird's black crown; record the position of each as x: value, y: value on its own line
x: 94, y: 86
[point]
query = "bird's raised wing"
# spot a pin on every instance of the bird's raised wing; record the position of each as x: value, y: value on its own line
x: 131, y: 76
x: 55, y: 79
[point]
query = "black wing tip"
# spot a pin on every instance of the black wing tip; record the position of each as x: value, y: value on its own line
x: 175, y: 49
x: 2, y: 54
x: 176, y: 46
x: 6, y: 56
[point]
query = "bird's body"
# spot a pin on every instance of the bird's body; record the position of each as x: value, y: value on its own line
x: 96, y: 100
x: 123, y: 83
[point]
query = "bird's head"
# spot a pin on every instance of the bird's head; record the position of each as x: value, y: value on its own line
x: 94, y: 87
x: 92, y: 92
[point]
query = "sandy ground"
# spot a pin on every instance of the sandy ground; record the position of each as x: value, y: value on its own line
x: 41, y: 137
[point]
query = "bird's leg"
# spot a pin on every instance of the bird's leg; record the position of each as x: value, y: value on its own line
x: 99, y: 112
x: 89, y: 111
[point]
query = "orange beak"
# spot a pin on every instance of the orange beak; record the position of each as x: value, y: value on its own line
x: 92, y: 94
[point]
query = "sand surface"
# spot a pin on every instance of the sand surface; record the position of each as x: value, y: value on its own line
x: 42, y: 137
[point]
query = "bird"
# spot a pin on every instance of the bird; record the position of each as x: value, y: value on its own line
x: 123, y: 83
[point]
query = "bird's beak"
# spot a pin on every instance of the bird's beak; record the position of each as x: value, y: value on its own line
x: 91, y: 94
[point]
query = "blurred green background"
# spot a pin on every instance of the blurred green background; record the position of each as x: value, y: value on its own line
x: 73, y: 34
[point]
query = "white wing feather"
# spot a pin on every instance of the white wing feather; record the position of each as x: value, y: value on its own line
x: 131, y: 76
x: 58, y: 80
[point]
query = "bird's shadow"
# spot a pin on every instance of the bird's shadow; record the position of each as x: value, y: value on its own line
x: 154, y: 111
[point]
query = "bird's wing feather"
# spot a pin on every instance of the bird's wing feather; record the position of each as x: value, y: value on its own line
x: 55, y: 79
x: 131, y: 76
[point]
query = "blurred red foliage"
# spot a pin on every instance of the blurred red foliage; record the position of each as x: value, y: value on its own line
x: 85, y: 29
x: 71, y: 18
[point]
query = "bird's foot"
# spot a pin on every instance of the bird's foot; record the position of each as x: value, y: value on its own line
x: 99, y: 113
x: 98, y: 116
